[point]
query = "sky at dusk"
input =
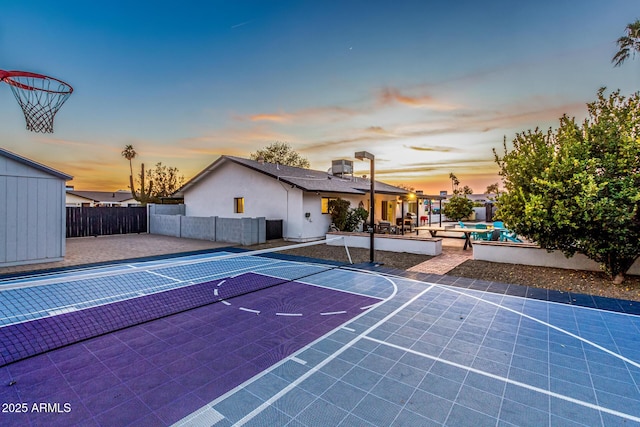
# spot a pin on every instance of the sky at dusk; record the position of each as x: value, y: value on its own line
x: 428, y: 87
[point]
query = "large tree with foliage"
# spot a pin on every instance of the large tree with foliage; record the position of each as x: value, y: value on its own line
x: 577, y: 189
x: 282, y: 153
x: 628, y: 45
x: 166, y: 180
x: 459, y: 206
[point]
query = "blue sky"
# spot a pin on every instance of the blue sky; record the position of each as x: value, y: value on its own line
x: 428, y: 87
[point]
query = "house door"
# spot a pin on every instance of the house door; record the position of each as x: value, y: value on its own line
x: 391, y: 211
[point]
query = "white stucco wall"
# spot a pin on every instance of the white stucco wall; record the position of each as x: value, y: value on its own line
x: 267, y: 197
x: 264, y: 196
x: 529, y: 254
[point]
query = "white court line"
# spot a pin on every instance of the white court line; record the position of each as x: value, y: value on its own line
x: 215, y: 292
x: 298, y: 360
x: 225, y: 302
x: 326, y: 268
x: 63, y: 311
x: 164, y: 276
x: 104, y: 271
x: 119, y: 297
x: 221, y: 282
x: 189, y: 420
x: 288, y: 314
x: 332, y: 313
x: 348, y: 329
x: 509, y: 381
x: 324, y: 362
x: 249, y: 310
x: 542, y: 322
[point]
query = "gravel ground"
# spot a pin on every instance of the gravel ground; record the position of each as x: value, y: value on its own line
x: 582, y: 282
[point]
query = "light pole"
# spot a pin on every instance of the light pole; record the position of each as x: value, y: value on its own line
x: 361, y: 155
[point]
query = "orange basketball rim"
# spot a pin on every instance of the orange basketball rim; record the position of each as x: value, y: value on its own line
x: 39, y: 96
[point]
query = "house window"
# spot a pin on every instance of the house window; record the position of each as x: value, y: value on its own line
x: 385, y: 210
x: 325, y: 204
x: 238, y: 205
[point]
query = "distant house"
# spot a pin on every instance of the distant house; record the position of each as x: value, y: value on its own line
x: 233, y: 187
x: 121, y: 198
x: 32, y: 212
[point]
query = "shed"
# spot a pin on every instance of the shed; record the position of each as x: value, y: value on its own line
x: 32, y: 211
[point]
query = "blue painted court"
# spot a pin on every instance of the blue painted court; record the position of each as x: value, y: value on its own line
x: 317, y: 344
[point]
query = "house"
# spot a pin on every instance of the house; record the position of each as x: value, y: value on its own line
x: 233, y: 187
x: 32, y: 212
x: 121, y: 198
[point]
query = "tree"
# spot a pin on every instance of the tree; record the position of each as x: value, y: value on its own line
x: 344, y: 217
x: 129, y: 153
x: 492, y: 189
x: 578, y: 189
x: 458, y: 206
x: 165, y: 180
x: 282, y: 153
x: 454, y: 182
x: 153, y: 184
x: 628, y: 45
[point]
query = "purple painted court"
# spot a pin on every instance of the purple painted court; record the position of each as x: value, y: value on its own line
x: 161, y: 371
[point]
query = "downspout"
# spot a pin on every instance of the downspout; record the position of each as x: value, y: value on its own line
x: 286, y: 189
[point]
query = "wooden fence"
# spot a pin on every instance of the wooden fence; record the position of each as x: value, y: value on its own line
x: 87, y: 221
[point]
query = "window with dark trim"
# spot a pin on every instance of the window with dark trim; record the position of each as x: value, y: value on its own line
x: 238, y: 205
x: 324, y: 204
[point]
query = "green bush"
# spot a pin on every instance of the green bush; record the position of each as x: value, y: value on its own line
x: 345, y: 218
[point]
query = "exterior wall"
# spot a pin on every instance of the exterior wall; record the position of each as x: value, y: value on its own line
x: 317, y: 224
x: 214, y: 195
x: 424, y: 246
x: 267, y: 197
x: 71, y: 200
x: 529, y: 254
x: 32, y: 215
x: 263, y: 197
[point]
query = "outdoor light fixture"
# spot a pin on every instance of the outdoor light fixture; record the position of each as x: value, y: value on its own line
x: 361, y: 155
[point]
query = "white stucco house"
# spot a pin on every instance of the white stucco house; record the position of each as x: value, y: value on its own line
x: 120, y: 198
x: 233, y: 187
x: 32, y: 211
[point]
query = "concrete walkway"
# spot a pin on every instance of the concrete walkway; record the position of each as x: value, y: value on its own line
x: 452, y: 256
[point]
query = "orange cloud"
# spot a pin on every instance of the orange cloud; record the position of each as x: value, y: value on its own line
x: 389, y: 96
x: 270, y: 117
x: 319, y: 114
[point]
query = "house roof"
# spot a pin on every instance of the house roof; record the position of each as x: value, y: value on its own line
x: 305, y: 179
x: 35, y: 165
x: 103, y: 196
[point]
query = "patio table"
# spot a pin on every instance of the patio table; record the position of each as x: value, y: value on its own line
x: 466, y: 233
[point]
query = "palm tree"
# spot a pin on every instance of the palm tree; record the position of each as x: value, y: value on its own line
x: 129, y: 153
x: 628, y: 45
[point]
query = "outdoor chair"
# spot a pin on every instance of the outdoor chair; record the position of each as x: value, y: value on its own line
x: 509, y: 236
x: 384, y: 227
x: 498, y: 224
x: 481, y: 235
x: 461, y: 224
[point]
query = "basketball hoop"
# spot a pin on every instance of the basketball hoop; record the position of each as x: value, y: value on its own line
x: 39, y: 96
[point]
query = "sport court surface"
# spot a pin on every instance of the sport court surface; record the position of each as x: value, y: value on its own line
x: 339, y: 346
